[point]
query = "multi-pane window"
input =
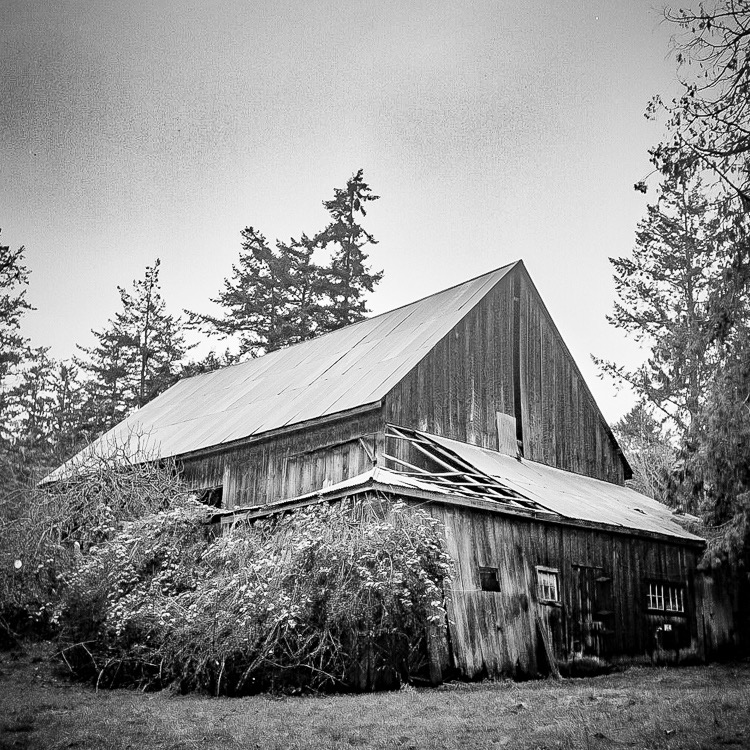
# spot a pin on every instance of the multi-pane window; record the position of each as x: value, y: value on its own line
x: 665, y: 597
x: 548, y: 585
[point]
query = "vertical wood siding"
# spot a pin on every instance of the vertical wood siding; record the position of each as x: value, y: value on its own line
x: 456, y: 390
x: 290, y: 464
x: 562, y: 425
x: 471, y: 374
x: 494, y: 633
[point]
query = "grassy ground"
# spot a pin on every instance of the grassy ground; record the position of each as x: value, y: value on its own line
x: 690, y: 707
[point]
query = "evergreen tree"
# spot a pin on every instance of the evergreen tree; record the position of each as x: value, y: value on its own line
x: 348, y: 277
x: 107, y: 365
x: 718, y: 451
x: 281, y: 295
x: 709, y: 129
x: 649, y: 451
x: 35, y: 405
x: 67, y: 434
x: 137, y: 356
x: 153, y: 336
x: 663, y: 292
x: 13, y: 345
x: 14, y: 351
x: 684, y: 296
x: 272, y: 299
x: 212, y: 361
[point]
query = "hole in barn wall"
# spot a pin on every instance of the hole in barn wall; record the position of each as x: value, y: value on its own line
x: 488, y: 579
x: 212, y: 496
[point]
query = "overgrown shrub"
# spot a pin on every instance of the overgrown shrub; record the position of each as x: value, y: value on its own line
x: 56, y: 524
x: 329, y: 597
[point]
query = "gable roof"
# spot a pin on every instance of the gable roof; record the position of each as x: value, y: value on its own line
x: 352, y: 367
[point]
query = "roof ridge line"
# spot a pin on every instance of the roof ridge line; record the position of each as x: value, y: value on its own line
x: 358, y: 322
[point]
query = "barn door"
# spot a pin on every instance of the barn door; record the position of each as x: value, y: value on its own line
x: 592, y: 611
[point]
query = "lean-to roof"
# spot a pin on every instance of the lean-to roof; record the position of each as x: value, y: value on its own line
x: 349, y: 368
x: 555, y: 496
x: 569, y: 495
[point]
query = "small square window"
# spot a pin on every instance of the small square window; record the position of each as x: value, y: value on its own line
x: 548, y: 584
x: 488, y: 579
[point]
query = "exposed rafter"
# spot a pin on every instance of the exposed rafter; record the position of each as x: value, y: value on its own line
x: 432, y: 462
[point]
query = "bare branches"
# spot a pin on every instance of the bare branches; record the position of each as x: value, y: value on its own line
x: 710, y: 122
x: 62, y: 522
x: 328, y: 597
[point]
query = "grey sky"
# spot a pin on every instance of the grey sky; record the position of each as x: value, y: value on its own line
x: 492, y: 130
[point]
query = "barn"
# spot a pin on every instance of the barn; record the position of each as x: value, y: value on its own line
x: 469, y: 404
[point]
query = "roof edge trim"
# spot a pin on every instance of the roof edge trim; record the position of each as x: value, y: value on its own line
x: 369, y: 483
x: 285, y: 430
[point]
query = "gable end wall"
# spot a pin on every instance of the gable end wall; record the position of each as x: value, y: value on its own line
x: 471, y: 374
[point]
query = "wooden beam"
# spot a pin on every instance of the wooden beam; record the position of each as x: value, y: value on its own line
x: 415, y: 469
x: 549, y: 653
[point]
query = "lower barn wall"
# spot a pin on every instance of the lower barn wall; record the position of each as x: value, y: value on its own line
x: 288, y: 464
x: 603, y: 581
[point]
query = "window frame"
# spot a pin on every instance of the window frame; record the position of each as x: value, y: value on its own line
x: 543, y: 586
x: 665, y: 597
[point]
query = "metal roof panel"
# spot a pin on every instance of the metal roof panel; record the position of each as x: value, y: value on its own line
x: 571, y: 495
x: 353, y: 366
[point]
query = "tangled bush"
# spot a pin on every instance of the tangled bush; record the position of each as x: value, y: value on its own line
x: 330, y: 597
x: 42, y: 542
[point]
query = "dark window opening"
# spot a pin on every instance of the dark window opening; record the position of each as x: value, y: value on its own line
x: 488, y: 579
x: 211, y: 496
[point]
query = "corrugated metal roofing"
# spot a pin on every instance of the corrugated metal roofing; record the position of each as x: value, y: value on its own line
x: 571, y: 495
x: 342, y: 370
x: 563, y: 494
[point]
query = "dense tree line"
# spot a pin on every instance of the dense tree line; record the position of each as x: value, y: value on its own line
x: 275, y: 296
x: 684, y: 293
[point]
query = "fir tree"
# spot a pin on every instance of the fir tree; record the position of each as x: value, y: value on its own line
x: 137, y: 355
x: 212, y: 361
x: 13, y: 344
x: 663, y: 292
x: 35, y: 402
x: 108, y: 396
x: 348, y: 276
x: 154, y: 337
x: 271, y: 299
x: 649, y: 451
x: 67, y: 434
x: 281, y: 295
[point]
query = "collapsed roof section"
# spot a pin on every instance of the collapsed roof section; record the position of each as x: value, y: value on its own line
x: 542, y: 487
x: 451, y: 472
x: 437, y: 465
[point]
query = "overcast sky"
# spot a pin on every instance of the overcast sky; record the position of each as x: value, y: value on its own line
x: 492, y: 131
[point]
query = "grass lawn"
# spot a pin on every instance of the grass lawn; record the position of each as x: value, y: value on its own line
x: 690, y: 707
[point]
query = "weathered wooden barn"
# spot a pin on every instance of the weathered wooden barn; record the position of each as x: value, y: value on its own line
x: 468, y: 403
